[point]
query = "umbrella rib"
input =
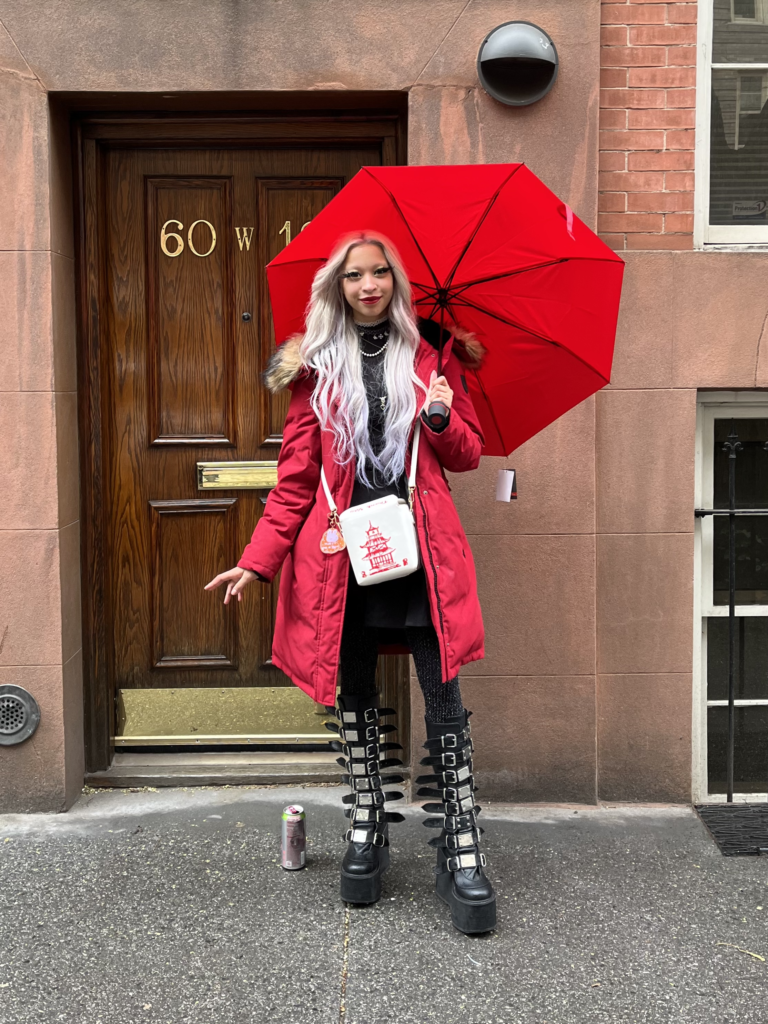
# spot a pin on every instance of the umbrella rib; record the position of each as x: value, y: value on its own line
x: 396, y: 205
x: 479, y: 224
x: 541, y: 337
x: 510, y: 273
x: 489, y: 406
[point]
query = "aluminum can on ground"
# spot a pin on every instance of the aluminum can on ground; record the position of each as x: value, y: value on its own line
x: 293, y: 848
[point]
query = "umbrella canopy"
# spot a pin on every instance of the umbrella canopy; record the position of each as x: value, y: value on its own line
x: 492, y: 250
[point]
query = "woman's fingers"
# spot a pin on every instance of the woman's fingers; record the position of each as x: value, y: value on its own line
x: 242, y: 583
x: 439, y: 390
x: 232, y: 575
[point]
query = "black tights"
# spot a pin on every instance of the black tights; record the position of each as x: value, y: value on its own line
x: 359, y: 654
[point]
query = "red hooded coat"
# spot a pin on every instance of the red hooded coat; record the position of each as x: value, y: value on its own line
x: 313, y: 586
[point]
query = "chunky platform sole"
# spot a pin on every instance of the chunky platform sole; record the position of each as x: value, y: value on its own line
x: 468, y: 916
x: 365, y: 888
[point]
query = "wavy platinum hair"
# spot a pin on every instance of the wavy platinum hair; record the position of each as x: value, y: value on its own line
x: 331, y: 348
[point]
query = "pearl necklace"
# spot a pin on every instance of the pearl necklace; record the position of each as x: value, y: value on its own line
x: 372, y: 355
x: 361, y: 327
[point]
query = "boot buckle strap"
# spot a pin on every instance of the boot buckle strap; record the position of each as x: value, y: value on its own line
x: 364, y: 814
x: 364, y: 767
x: 369, y: 799
x: 461, y: 756
x: 466, y: 860
x: 451, y: 740
x: 454, y: 822
x: 365, y: 835
x: 459, y: 776
x: 353, y: 717
x: 455, y: 807
x: 462, y: 839
x: 369, y: 750
x: 457, y: 793
x: 358, y: 735
x: 366, y: 783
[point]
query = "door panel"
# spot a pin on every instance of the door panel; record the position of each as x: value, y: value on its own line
x: 188, y: 235
x: 190, y: 540
x: 191, y: 359
x: 287, y: 205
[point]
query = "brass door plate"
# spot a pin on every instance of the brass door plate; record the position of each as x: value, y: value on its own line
x: 219, y: 715
x: 236, y: 476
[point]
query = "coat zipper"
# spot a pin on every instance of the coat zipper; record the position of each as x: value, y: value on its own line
x: 434, y: 574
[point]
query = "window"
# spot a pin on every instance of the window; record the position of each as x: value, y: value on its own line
x: 732, y: 116
x: 748, y: 10
x: 747, y: 414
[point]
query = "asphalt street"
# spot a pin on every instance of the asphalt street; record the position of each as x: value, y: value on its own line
x: 170, y: 907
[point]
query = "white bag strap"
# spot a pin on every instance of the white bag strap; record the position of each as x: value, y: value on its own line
x: 411, y: 475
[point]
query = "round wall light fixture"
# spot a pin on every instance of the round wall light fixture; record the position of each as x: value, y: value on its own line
x: 19, y: 715
x: 517, y: 63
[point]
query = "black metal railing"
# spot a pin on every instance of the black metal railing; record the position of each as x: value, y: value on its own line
x: 731, y: 447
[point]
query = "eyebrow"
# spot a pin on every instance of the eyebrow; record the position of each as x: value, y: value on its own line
x: 355, y: 266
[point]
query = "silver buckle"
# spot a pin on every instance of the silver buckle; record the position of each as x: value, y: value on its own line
x: 466, y: 860
x: 369, y: 750
x: 370, y: 715
x: 366, y: 783
x: 359, y: 835
x: 378, y: 839
x: 369, y: 799
x: 450, y: 736
x: 459, y: 776
x: 461, y: 840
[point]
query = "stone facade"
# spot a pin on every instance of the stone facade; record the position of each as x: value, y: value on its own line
x: 586, y: 582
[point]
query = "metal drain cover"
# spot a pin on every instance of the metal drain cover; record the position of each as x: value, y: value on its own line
x: 19, y: 714
x: 740, y: 830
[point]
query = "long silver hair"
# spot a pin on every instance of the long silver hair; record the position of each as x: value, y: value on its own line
x: 331, y: 347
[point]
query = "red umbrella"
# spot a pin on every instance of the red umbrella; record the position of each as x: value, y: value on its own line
x: 492, y: 250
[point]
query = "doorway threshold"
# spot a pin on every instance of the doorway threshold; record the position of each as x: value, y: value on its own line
x: 227, y: 768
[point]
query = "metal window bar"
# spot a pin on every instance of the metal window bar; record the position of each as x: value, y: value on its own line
x: 732, y: 446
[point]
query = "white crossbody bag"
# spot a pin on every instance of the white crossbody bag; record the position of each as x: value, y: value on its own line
x: 380, y: 535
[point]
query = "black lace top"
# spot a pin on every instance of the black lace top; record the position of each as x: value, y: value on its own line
x: 393, y: 604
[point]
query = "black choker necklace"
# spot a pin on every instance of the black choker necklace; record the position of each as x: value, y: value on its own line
x: 374, y: 323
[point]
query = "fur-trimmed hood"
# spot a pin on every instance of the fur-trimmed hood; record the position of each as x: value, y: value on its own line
x: 285, y: 364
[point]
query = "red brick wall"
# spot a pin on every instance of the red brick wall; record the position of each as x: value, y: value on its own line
x: 647, y: 101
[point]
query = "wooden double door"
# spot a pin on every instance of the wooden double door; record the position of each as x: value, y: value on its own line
x: 177, y: 332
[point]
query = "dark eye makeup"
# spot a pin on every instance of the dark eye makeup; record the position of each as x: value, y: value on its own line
x: 355, y: 275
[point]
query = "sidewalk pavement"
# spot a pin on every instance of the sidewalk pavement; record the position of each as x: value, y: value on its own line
x: 170, y: 906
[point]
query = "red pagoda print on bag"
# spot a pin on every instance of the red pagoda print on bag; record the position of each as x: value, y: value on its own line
x: 378, y: 553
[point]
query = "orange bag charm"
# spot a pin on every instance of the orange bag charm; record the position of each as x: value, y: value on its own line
x: 332, y: 540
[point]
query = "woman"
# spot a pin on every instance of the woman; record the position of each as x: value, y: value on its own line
x: 361, y: 375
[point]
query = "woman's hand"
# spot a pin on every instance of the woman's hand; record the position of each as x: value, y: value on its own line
x: 237, y: 580
x: 439, y: 391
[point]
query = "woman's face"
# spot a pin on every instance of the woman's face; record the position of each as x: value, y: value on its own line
x: 368, y: 283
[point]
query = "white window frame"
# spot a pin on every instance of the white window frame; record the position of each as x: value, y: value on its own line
x: 706, y: 235
x: 710, y: 406
x: 761, y: 15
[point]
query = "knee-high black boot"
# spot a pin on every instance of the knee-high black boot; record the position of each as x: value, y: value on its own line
x: 367, y: 854
x: 461, y: 881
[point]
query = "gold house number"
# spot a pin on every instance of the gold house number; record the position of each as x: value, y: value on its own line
x: 286, y: 230
x: 179, y: 241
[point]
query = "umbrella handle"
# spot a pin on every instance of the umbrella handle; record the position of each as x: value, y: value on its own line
x: 437, y: 415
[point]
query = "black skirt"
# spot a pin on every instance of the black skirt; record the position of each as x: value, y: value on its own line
x: 392, y: 604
